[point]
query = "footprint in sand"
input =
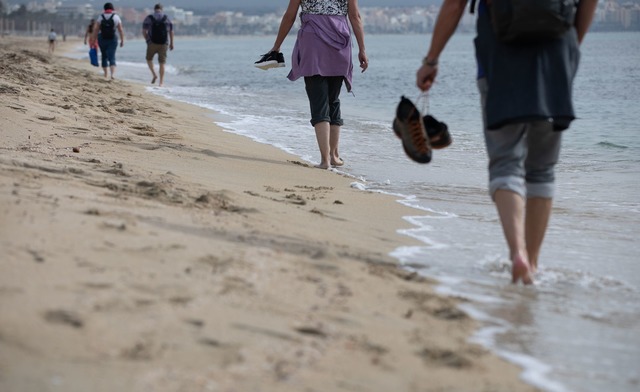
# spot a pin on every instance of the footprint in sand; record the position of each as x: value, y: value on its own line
x: 126, y: 110
x: 64, y: 317
x: 144, y: 130
x: 141, y: 351
x: 445, y: 357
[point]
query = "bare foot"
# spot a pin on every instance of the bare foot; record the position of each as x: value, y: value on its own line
x: 337, y: 161
x: 533, y: 266
x: 154, y: 79
x: 520, y: 271
x: 322, y: 166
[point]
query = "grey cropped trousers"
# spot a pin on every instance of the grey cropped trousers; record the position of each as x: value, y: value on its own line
x: 522, y: 156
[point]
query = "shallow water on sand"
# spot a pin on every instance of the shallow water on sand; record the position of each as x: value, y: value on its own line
x: 577, y: 329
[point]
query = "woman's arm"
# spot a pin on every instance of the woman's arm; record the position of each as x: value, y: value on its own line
x: 288, y: 19
x: 121, y: 32
x: 358, y: 31
x: 96, y: 29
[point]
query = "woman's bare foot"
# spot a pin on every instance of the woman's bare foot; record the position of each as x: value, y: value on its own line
x: 322, y: 166
x: 520, y: 270
x: 337, y: 161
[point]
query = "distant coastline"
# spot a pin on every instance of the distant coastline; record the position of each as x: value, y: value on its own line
x: 37, y: 19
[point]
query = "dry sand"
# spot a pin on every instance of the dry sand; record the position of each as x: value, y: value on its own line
x: 143, y: 248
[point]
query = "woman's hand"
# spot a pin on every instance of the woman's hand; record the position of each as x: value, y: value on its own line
x: 364, y: 61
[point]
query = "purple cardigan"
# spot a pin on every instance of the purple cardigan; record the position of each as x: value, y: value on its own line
x: 323, y: 47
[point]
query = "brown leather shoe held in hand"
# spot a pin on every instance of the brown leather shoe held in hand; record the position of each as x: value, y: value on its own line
x: 437, y: 131
x: 409, y: 127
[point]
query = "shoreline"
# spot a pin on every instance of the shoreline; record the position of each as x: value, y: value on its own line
x: 168, y: 254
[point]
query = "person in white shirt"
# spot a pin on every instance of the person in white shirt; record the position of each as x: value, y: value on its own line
x: 104, y: 30
x: 52, y: 41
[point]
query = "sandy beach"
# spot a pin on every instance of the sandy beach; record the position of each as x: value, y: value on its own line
x: 143, y: 248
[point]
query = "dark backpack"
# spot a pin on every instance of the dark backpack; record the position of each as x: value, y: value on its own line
x: 159, y: 30
x: 107, y: 27
x: 530, y: 21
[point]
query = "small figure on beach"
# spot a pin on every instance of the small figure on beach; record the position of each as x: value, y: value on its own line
x: 322, y: 55
x: 157, y: 30
x: 92, y: 40
x: 89, y: 38
x: 526, y: 98
x: 104, y: 31
x: 52, y: 41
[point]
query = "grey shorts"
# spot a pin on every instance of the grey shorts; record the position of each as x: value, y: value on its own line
x: 522, y: 156
x: 324, y: 93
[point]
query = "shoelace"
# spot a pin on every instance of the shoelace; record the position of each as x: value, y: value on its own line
x: 417, y: 134
x: 264, y: 56
x: 423, y: 99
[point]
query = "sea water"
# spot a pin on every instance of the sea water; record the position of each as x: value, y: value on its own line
x: 578, y: 328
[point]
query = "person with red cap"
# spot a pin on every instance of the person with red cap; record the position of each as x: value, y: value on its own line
x: 104, y: 31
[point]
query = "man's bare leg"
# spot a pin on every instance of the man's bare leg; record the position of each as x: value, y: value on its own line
x: 161, y: 67
x: 153, y: 72
x: 538, y: 212
x: 511, y: 209
x: 334, y: 140
x: 323, y: 137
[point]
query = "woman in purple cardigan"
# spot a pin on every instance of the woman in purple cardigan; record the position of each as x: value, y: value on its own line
x: 322, y: 55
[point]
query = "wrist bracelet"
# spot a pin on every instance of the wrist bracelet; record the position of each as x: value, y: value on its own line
x: 431, y: 63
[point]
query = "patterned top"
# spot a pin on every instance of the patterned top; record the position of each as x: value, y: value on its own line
x: 325, y: 7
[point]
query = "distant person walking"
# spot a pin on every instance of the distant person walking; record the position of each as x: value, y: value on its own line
x: 89, y: 37
x: 92, y: 40
x: 157, y: 30
x: 104, y: 30
x: 52, y: 41
x: 322, y: 55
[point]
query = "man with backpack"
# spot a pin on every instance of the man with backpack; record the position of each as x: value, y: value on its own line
x: 527, y: 54
x: 104, y: 31
x: 157, y: 30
